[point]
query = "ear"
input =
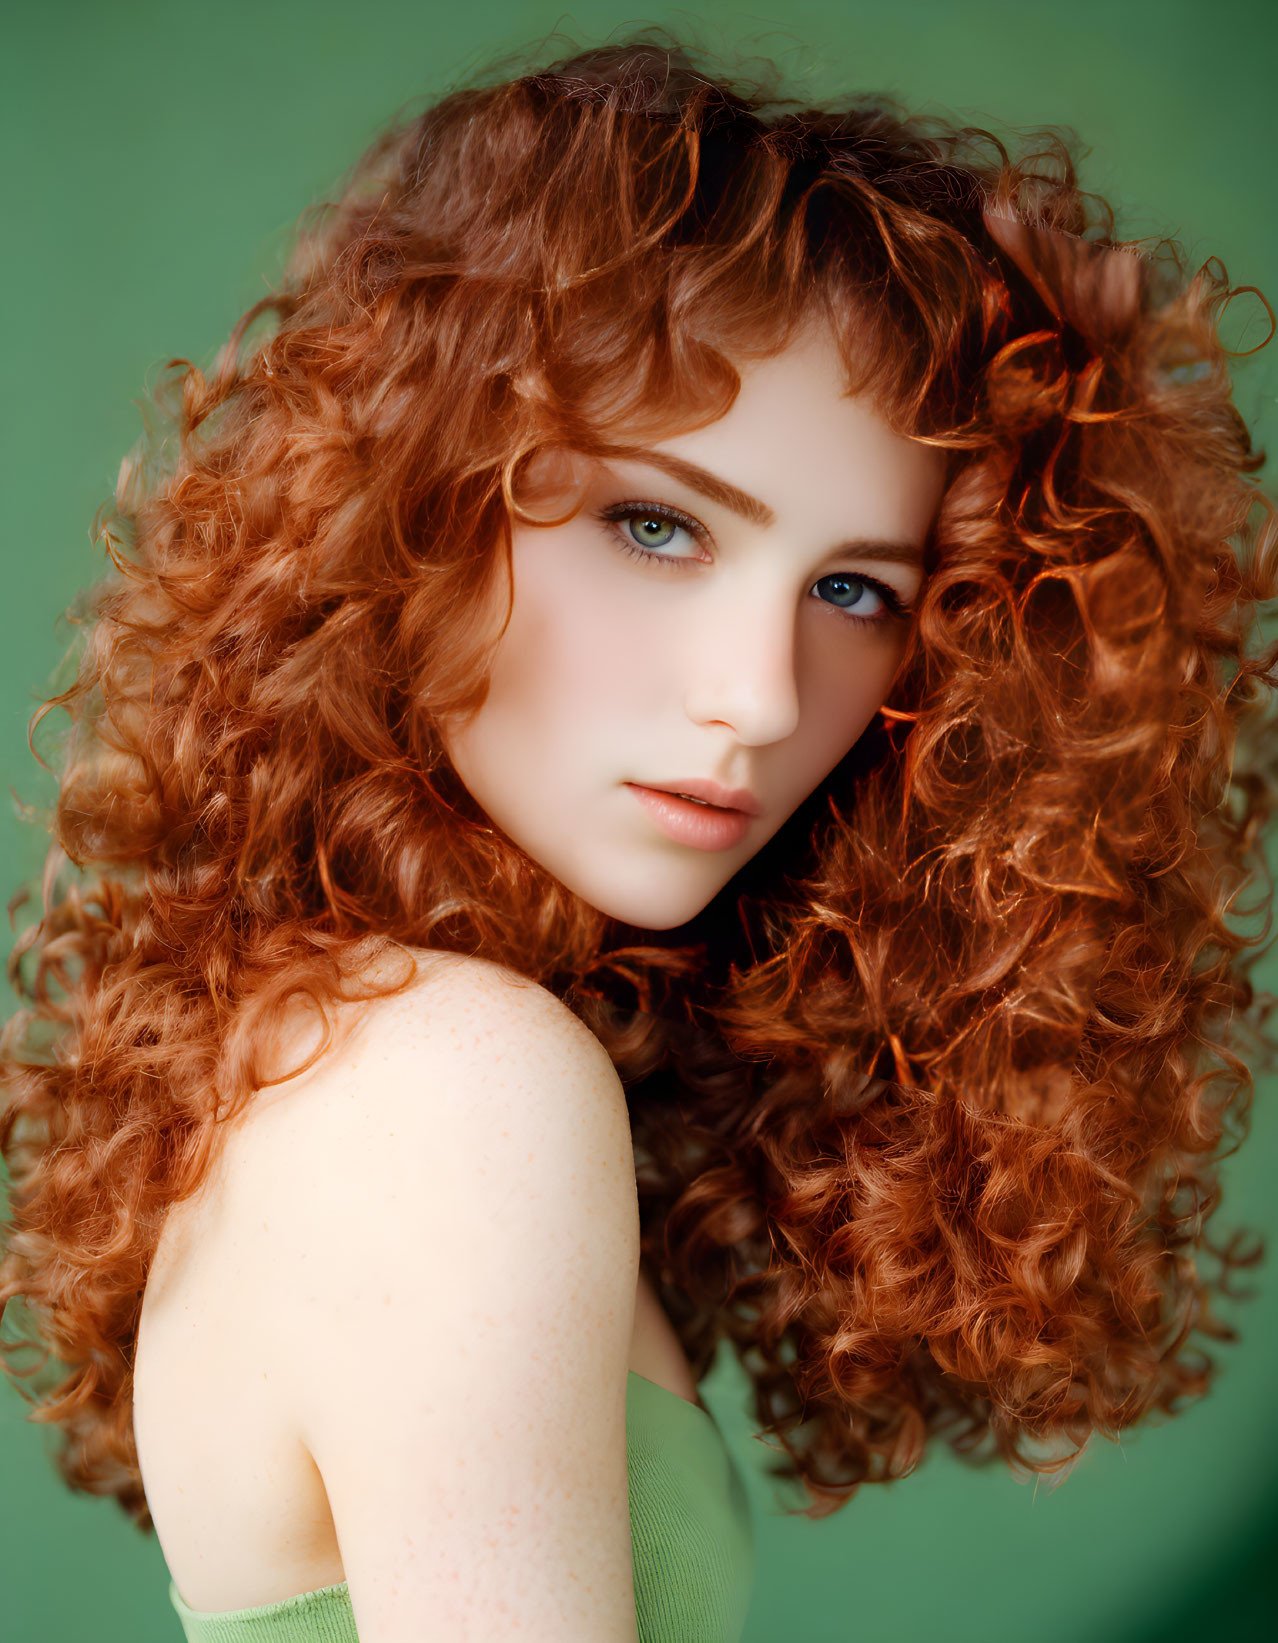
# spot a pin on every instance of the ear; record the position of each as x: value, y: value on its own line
x: 1096, y: 289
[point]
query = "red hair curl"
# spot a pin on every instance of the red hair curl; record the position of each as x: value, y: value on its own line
x: 927, y: 1103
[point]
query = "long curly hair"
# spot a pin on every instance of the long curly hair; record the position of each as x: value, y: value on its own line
x: 927, y: 1103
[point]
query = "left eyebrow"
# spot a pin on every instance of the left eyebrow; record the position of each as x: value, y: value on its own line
x: 749, y: 507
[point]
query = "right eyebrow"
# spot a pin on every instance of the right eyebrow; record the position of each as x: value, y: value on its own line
x: 699, y: 479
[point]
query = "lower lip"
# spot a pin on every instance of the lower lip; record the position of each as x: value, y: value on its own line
x: 702, y: 826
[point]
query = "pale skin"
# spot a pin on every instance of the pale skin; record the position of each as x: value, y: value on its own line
x: 388, y: 1342
x: 753, y: 657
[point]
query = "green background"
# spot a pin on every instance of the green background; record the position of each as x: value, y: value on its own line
x: 155, y: 158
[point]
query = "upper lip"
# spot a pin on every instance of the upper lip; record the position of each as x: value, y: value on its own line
x: 727, y: 798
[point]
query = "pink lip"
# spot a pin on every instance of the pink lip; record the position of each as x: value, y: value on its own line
x: 725, y: 798
x: 699, y: 826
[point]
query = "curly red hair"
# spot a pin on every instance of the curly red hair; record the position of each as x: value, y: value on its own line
x: 927, y: 1103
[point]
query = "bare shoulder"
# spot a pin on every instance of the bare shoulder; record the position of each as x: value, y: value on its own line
x: 475, y: 1064
x: 460, y: 1040
x: 471, y: 1082
x: 462, y: 1005
x: 447, y: 1285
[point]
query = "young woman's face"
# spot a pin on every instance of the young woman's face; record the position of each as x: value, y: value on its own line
x: 721, y: 620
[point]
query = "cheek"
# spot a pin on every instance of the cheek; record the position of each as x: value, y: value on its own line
x: 575, y: 646
x: 845, y: 685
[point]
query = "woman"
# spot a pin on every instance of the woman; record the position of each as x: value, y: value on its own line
x: 676, y: 735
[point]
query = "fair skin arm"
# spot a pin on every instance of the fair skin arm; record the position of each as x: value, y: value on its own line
x: 457, y: 1354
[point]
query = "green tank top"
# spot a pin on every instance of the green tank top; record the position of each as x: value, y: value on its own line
x: 689, y: 1527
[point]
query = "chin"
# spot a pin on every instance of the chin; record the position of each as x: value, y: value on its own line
x: 644, y: 909
x: 642, y: 916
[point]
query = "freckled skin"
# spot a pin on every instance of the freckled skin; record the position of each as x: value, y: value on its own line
x: 734, y: 666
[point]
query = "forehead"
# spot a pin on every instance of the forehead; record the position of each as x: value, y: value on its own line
x: 790, y: 427
x: 797, y: 444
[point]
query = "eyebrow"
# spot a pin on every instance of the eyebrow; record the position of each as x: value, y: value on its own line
x: 749, y: 507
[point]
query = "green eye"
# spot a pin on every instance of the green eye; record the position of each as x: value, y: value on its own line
x: 647, y: 530
x: 650, y: 531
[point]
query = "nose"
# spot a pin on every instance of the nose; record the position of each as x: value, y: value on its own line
x: 743, y: 673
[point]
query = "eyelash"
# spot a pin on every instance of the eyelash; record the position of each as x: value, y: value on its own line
x: 620, y: 511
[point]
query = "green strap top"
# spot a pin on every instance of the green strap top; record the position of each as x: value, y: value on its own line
x: 689, y: 1527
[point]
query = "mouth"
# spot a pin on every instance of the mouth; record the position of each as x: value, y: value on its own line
x: 710, y: 795
x: 689, y: 819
